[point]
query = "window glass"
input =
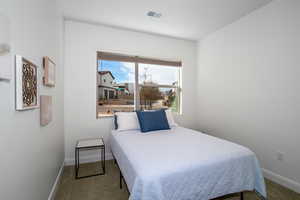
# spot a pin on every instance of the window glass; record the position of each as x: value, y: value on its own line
x: 153, y: 98
x: 158, y: 74
x: 115, y: 81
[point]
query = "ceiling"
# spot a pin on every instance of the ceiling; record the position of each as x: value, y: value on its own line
x: 187, y: 19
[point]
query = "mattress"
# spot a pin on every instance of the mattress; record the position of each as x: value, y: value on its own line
x: 184, y: 164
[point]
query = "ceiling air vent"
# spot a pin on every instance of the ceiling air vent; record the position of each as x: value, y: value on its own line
x: 154, y: 14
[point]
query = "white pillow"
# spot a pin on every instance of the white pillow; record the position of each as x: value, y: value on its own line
x: 170, y: 118
x: 127, y: 121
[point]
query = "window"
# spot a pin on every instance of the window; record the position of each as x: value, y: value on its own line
x: 159, y: 87
x: 128, y: 83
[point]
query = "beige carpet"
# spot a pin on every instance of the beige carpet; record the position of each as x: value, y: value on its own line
x: 107, y: 187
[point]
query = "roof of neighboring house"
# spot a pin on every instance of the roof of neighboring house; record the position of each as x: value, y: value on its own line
x: 103, y: 86
x: 106, y: 72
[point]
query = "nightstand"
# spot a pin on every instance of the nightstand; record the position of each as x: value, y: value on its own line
x: 90, y: 144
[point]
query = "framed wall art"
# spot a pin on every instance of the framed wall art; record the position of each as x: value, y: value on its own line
x: 46, y: 110
x: 26, y: 84
x: 49, y: 72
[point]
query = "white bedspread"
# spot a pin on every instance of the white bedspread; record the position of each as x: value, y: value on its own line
x: 182, y: 164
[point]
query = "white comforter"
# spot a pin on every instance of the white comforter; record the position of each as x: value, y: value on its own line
x: 182, y: 164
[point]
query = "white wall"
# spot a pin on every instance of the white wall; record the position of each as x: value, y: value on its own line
x: 31, y: 155
x: 248, y: 86
x: 81, y: 43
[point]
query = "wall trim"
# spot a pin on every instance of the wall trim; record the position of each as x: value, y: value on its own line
x: 286, y: 182
x: 55, y: 185
x: 87, y: 159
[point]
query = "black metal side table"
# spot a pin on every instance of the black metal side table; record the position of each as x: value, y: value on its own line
x: 90, y: 144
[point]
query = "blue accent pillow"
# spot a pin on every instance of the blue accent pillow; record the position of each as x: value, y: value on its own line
x: 153, y: 120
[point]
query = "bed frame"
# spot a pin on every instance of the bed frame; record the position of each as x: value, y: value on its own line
x: 122, y: 179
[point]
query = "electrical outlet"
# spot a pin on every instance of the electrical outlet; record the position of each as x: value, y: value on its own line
x: 280, y: 156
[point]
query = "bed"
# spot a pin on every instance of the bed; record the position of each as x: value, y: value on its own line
x: 183, y: 164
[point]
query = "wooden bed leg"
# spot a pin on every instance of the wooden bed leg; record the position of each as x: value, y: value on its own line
x: 242, y: 196
x: 121, y: 180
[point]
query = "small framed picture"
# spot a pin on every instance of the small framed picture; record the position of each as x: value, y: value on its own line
x: 26, y: 84
x: 49, y: 72
x: 46, y: 110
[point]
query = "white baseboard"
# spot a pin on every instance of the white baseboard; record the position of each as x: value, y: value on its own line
x: 286, y: 182
x: 55, y: 185
x: 87, y: 159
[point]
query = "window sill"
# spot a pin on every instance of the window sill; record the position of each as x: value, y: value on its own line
x: 99, y: 116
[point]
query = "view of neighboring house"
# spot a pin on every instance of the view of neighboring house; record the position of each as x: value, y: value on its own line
x: 124, y: 88
x: 109, y: 89
x: 105, y: 85
x: 113, y: 96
